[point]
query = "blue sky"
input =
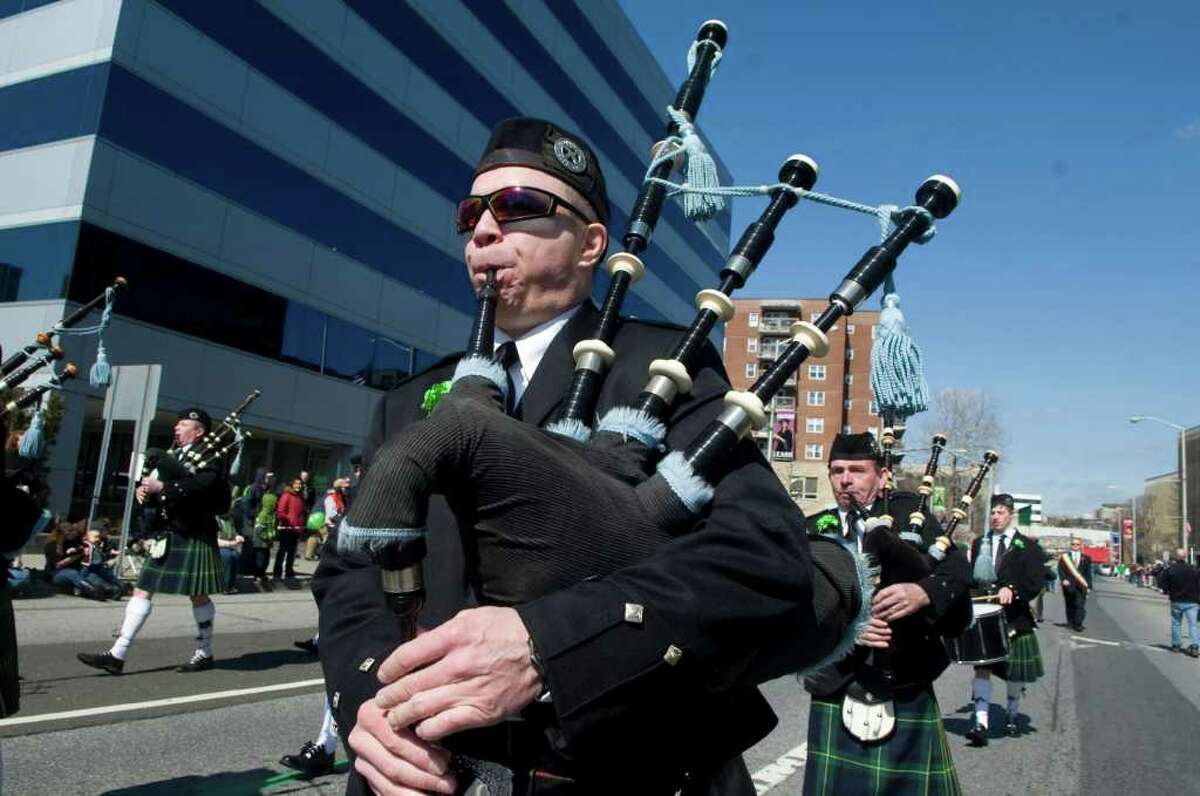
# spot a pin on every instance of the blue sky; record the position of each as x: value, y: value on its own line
x: 1064, y: 283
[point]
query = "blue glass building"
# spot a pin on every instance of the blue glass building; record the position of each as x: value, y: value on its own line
x: 276, y: 179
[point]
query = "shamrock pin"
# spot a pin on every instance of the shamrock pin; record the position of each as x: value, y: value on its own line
x: 1018, y: 544
x: 433, y: 395
x: 827, y: 521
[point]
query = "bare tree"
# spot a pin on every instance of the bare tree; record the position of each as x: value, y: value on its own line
x: 968, y: 418
x: 970, y: 422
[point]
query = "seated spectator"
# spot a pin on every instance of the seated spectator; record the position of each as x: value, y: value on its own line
x: 97, y: 580
x: 64, y: 557
x: 229, y: 545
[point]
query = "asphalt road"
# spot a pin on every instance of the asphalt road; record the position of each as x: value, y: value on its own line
x: 1116, y: 712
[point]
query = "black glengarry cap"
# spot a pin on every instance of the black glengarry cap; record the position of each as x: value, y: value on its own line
x: 197, y: 414
x: 538, y: 144
x: 855, y: 447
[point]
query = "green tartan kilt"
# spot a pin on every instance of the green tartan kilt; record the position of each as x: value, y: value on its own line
x: 191, y: 566
x: 915, y: 760
x: 1024, y: 664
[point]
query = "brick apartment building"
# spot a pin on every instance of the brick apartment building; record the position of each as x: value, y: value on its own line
x: 824, y: 397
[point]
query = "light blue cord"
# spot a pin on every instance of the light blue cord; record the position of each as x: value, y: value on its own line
x: 897, y: 374
x: 100, y: 374
x: 33, y: 441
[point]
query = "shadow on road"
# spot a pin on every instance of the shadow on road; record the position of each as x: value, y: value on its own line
x: 961, y: 725
x: 226, y: 783
x: 263, y: 660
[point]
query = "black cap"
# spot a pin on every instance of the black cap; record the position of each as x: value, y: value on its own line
x: 855, y: 447
x: 538, y: 144
x: 199, y: 415
x: 356, y: 460
x: 1003, y: 499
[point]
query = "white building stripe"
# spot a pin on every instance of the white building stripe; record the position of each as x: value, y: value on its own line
x: 130, y: 707
x: 83, y: 32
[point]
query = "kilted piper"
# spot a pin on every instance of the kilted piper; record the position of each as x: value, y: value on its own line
x: 853, y: 744
x: 190, y: 564
x: 1010, y: 565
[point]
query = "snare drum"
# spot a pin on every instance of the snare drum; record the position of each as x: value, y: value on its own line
x: 984, y: 641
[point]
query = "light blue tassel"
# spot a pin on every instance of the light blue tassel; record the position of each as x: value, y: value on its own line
x: 33, y: 441
x: 897, y: 375
x: 701, y: 173
x: 237, y: 460
x: 572, y: 429
x: 100, y: 374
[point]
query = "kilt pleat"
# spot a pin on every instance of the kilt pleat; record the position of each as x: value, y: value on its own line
x: 916, y: 759
x: 1024, y: 664
x: 191, y: 566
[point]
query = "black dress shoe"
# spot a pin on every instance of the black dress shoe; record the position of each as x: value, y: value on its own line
x: 102, y: 660
x: 978, y: 736
x: 308, y: 645
x: 313, y: 760
x: 198, y: 663
x: 1010, y: 727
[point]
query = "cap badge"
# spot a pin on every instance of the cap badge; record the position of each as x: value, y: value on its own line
x: 570, y: 155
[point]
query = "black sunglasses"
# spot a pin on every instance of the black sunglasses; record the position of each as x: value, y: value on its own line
x: 514, y: 203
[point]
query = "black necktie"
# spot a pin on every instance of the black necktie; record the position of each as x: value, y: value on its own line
x: 507, y: 356
x: 999, y: 551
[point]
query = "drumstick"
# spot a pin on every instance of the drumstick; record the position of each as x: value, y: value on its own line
x: 985, y: 598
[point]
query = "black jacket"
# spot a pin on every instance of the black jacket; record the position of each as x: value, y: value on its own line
x: 918, y: 655
x: 1084, y: 567
x: 1181, y: 582
x: 734, y: 595
x: 1021, y: 569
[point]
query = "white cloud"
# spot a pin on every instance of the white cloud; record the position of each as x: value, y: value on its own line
x: 1190, y: 131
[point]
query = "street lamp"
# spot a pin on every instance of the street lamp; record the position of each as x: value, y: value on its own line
x: 1183, y: 531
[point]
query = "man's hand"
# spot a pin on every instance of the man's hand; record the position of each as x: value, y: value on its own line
x: 147, y: 487
x: 877, y: 634
x: 898, y: 601
x: 396, y: 762
x: 1006, y: 596
x: 470, y: 672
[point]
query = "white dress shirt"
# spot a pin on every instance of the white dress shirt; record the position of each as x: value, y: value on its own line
x: 531, y: 347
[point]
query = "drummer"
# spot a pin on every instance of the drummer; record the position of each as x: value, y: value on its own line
x: 1010, y: 565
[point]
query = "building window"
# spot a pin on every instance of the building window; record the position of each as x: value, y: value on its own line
x: 751, y: 370
x: 848, y: 403
x: 849, y: 328
x: 816, y: 372
x: 849, y: 378
x: 816, y: 397
x: 814, y: 425
x: 873, y: 408
x: 752, y: 320
x: 810, y: 488
x: 849, y: 353
x: 812, y: 451
x: 752, y: 345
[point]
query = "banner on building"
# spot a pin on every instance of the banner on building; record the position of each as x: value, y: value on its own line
x: 783, y: 436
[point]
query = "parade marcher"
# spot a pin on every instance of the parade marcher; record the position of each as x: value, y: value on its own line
x: 1075, y: 577
x: 908, y: 619
x: 191, y: 565
x: 1181, y: 583
x: 637, y: 676
x: 1007, y: 562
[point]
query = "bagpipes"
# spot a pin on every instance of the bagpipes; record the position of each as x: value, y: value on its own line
x: 26, y: 518
x: 589, y: 502
x: 175, y: 463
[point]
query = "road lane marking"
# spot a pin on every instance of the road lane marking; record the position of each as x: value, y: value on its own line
x: 157, y: 703
x: 1096, y: 641
x: 784, y: 766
